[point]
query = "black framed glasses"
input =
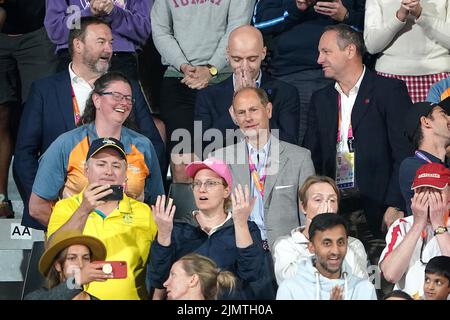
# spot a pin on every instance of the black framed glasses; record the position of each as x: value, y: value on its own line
x: 117, y: 96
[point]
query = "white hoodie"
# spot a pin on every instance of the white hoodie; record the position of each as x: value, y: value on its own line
x: 288, y: 251
x: 309, y: 284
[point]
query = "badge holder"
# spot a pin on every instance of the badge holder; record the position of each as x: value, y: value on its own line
x: 345, y: 170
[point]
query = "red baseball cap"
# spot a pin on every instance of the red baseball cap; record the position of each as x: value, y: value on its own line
x: 434, y: 175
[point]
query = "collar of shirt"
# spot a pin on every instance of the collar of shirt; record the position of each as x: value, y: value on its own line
x: 355, y: 89
x: 213, y: 229
x: 431, y: 157
x: 253, y: 152
x: 77, y: 79
x: 81, y: 88
x: 258, y: 80
x: 125, y: 137
x: 346, y: 103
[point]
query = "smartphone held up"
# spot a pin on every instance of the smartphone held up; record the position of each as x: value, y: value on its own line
x: 117, y: 193
x: 118, y: 269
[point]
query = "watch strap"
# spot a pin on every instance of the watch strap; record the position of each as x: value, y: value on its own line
x: 440, y: 230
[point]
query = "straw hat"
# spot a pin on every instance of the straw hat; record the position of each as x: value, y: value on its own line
x: 66, y: 238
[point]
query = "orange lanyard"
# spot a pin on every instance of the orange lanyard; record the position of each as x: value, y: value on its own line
x: 259, y: 182
x: 76, y: 109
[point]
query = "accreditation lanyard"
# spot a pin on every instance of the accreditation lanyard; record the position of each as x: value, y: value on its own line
x: 420, y: 155
x: 350, y: 137
x: 76, y: 109
x: 258, y: 181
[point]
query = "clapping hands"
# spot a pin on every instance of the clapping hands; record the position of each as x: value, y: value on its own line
x: 101, y: 7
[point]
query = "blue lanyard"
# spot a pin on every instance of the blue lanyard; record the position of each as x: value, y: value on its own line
x: 420, y: 155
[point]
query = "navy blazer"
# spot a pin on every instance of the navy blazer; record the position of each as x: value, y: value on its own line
x: 48, y: 113
x: 212, y: 105
x: 380, y: 145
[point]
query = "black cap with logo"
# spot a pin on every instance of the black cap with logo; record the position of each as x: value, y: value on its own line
x: 107, y: 142
x: 422, y: 109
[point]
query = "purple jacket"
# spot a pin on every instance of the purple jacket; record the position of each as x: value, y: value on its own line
x: 129, y: 20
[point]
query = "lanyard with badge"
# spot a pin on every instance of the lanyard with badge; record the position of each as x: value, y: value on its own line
x: 345, y: 160
x: 257, y: 180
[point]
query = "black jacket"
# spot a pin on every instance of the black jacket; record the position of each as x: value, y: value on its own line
x: 212, y: 105
x: 293, y: 35
x: 380, y: 145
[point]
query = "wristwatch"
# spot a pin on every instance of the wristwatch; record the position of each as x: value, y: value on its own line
x: 212, y: 70
x: 440, y: 230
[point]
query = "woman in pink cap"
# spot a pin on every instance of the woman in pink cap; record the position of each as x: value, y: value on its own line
x: 225, y: 236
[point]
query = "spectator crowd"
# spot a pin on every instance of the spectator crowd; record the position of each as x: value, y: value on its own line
x: 292, y: 149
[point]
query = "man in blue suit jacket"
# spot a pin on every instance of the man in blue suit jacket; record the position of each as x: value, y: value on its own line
x: 245, y: 53
x: 50, y: 108
x: 369, y: 109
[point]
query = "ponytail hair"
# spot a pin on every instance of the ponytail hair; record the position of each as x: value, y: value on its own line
x: 212, y: 279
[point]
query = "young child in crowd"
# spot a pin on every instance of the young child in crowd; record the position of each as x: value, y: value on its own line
x: 437, y: 279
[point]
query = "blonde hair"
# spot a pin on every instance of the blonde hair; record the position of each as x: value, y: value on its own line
x: 212, y: 279
x: 302, y: 193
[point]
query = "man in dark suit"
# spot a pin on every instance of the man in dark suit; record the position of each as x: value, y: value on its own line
x: 55, y: 103
x: 355, y: 131
x: 245, y: 52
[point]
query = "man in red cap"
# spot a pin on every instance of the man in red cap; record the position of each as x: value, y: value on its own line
x: 427, y: 126
x: 414, y: 240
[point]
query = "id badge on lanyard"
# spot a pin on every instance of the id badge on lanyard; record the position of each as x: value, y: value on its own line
x: 345, y: 160
x: 345, y: 169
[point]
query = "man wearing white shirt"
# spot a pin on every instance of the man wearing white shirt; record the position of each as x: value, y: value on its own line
x: 56, y: 103
x: 355, y: 130
x: 273, y: 169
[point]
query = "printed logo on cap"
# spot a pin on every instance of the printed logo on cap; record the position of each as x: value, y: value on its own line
x: 108, y: 141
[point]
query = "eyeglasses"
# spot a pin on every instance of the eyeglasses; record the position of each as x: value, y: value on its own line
x: 209, y: 184
x: 117, y: 96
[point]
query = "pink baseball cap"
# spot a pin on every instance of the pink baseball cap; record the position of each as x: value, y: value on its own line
x: 434, y: 175
x: 216, y: 165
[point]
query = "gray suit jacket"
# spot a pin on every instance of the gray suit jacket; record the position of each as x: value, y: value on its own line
x: 288, y: 167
